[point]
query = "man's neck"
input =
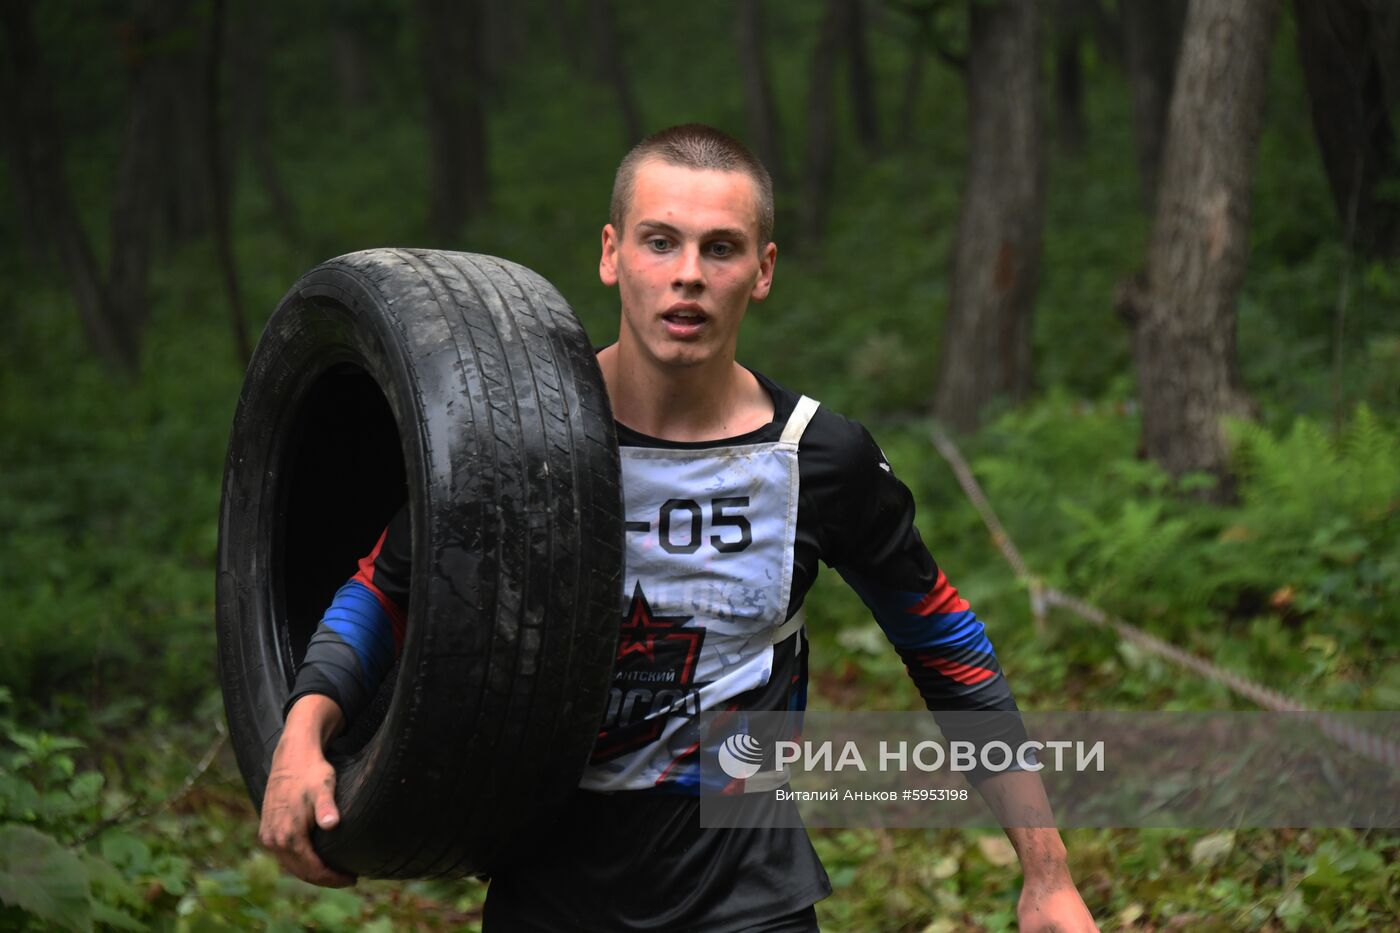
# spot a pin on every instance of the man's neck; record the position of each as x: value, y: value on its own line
x: 705, y: 402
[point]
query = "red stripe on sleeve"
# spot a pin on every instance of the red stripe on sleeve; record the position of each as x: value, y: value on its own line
x: 941, y: 599
x: 962, y: 673
x: 365, y: 576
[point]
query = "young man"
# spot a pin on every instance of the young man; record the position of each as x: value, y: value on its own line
x: 734, y: 488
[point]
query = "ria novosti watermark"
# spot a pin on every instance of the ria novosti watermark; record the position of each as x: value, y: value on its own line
x: 1118, y: 769
x: 928, y: 755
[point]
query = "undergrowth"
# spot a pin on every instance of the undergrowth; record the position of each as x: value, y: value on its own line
x: 1298, y: 584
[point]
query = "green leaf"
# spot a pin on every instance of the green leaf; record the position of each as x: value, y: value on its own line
x: 86, y: 787
x: 113, y: 917
x: 173, y: 872
x: 42, y: 877
x: 109, y: 883
x: 336, y: 910
x: 45, y: 744
x: 62, y: 765
x: 126, y: 851
x: 26, y: 741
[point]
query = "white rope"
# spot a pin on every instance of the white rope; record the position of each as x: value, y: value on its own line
x: 1359, y: 740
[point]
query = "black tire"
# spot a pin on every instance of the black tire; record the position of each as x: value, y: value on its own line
x: 464, y: 385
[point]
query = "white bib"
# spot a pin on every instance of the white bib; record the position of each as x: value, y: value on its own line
x: 708, y: 580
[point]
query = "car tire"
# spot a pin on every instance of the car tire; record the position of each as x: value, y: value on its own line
x: 464, y: 386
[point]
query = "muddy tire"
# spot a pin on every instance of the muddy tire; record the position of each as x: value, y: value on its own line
x: 463, y: 385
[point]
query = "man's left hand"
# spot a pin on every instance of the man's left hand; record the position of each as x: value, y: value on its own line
x: 1053, y: 906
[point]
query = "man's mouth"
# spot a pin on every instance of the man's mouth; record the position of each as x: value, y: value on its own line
x: 684, y: 320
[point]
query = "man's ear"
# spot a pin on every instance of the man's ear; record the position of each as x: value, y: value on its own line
x: 767, y: 259
x: 607, y: 263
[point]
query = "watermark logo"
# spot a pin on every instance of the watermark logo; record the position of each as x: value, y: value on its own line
x: 741, y: 756
x: 1179, y: 769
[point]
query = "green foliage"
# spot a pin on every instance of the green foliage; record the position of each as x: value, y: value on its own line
x: 1296, y: 583
x: 42, y: 878
x: 71, y: 857
x: 1319, y: 515
x: 40, y: 783
x: 107, y: 501
x: 46, y: 806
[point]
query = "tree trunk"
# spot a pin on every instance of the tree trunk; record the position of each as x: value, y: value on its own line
x: 820, y: 165
x: 34, y: 143
x: 351, y: 66
x: 561, y: 14
x: 183, y: 185
x: 1385, y: 44
x: 1183, y: 318
x: 248, y: 48
x: 913, y: 84
x: 1151, y: 42
x: 1105, y: 28
x: 219, y: 181
x: 113, y: 312
x: 863, y: 105
x: 32, y: 139
x: 507, y: 38
x: 607, y: 45
x: 449, y: 32
x: 1070, y: 29
x: 143, y: 170
x: 1351, y: 117
x: 765, y: 129
x: 996, y: 260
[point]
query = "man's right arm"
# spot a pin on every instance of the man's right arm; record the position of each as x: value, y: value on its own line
x: 363, y: 629
x: 301, y: 788
x: 349, y: 654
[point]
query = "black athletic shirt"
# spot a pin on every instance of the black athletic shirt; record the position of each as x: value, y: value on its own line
x: 638, y: 860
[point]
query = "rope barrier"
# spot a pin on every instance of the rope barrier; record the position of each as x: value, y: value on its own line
x: 1358, y: 740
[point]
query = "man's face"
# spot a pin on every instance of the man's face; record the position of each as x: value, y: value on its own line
x: 687, y: 262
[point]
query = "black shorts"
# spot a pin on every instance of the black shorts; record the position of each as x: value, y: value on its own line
x: 803, y: 921
x: 637, y: 862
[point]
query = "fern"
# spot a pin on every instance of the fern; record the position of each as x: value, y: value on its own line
x: 1312, y: 549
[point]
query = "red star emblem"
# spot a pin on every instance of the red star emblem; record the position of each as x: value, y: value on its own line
x: 640, y: 631
x: 650, y: 645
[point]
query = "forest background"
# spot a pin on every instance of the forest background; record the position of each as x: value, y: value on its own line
x: 969, y: 225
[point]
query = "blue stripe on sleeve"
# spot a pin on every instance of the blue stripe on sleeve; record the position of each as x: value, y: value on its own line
x: 909, y: 630
x: 357, y: 616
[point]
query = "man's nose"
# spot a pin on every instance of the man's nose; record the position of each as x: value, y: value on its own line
x: 688, y: 272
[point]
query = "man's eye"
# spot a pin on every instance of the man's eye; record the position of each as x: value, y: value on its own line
x: 721, y: 249
x: 659, y: 243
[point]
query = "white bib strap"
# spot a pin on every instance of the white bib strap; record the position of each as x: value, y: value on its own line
x: 802, y: 414
x: 765, y: 781
x: 799, y: 618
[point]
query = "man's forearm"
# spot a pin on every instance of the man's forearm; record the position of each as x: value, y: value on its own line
x: 1018, y: 800
x: 312, y: 721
